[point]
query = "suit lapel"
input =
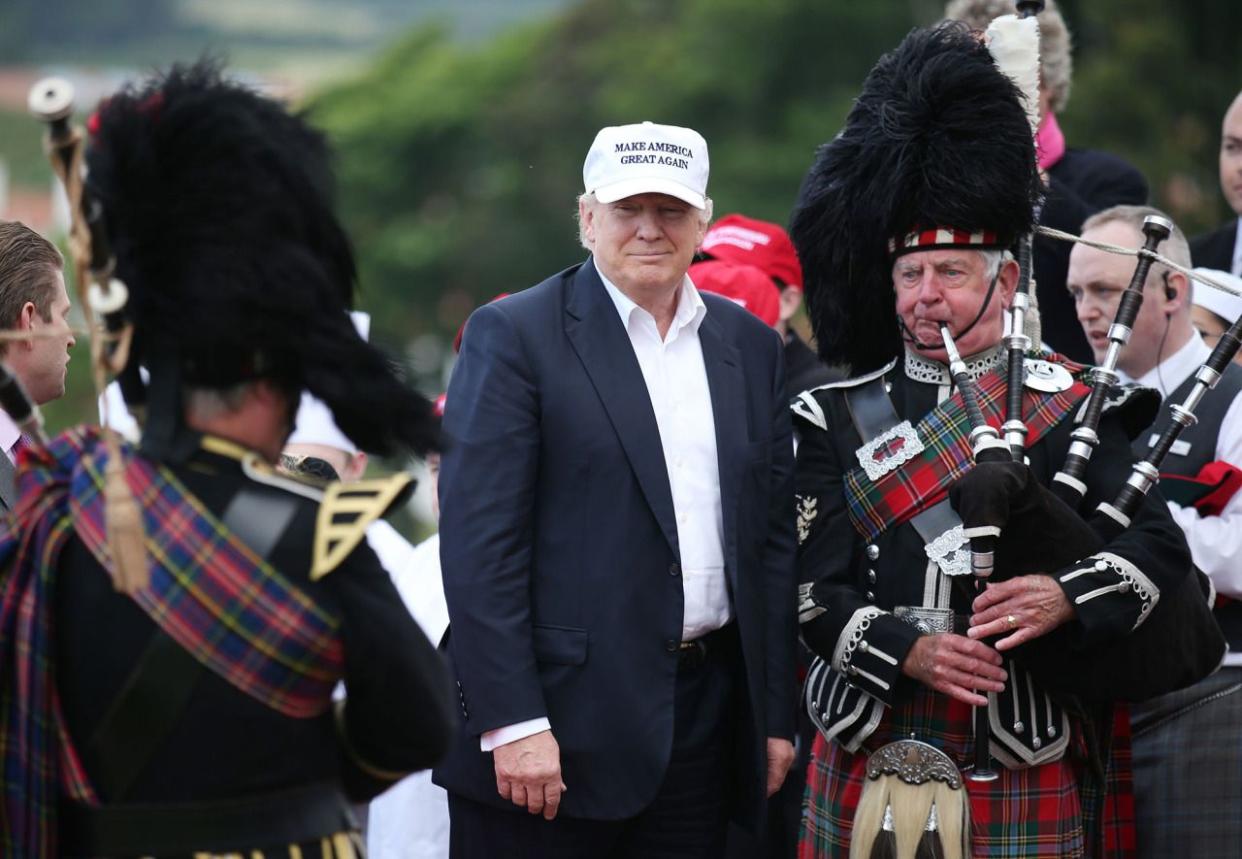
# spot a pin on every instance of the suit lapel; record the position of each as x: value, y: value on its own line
x: 727, y: 386
x: 598, y: 336
x: 8, y: 485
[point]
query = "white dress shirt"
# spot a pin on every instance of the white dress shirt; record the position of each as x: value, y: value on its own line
x: 1237, y: 250
x: 676, y: 379
x: 1215, y: 541
x: 9, y: 434
x: 410, y: 820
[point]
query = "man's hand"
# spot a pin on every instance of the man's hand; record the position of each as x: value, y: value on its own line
x: 1020, y: 608
x: 956, y: 666
x: 780, y: 758
x: 528, y: 773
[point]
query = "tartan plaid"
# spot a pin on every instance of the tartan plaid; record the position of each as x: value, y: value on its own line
x: 1024, y: 814
x: 1188, y: 769
x: 945, y: 432
x: 208, y: 591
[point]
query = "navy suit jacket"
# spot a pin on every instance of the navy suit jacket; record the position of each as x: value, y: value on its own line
x: 1215, y: 249
x: 1083, y: 182
x: 559, y: 542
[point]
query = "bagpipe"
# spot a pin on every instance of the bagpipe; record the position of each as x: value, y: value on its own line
x: 104, y: 299
x: 1018, y: 527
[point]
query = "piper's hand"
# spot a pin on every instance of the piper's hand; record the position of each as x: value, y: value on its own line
x: 1020, y: 609
x: 956, y: 666
x: 528, y: 773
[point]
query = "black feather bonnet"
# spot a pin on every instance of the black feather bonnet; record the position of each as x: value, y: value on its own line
x: 938, y: 139
x: 219, y: 207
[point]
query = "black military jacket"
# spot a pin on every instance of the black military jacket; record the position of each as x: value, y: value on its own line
x: 224, y: 744
x: 849, y: 587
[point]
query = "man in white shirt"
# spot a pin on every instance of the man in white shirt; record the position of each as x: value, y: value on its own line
x: 1187, y: 745
x: 32, y: 299
x: 617, y: 539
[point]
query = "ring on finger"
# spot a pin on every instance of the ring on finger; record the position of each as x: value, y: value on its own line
x: 1011, y: 620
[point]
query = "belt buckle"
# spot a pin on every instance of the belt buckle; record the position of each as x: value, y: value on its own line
x: 691, y: 654
x: 889, y: 450
x: 928, y: 621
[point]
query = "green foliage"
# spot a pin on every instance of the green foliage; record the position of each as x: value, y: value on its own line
x: 460, y: 165
x: 1152, y: 81
x: 21, y: 150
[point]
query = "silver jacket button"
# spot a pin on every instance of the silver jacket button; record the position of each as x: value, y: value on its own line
x: 873, y: 551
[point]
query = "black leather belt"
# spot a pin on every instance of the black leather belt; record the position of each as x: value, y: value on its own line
x: 301, y: 814
x: 718, y: 642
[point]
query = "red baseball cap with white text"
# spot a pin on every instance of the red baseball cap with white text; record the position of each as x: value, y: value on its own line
x: 739, y: 239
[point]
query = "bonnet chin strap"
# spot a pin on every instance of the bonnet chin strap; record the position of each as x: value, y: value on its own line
x: 165, y: 436
x: 908, y: 336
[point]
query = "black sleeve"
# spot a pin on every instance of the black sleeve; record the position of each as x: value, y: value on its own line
x: 398, y: 714
x: 778, y: 566
x: 1113, y: 591
x: 863, y: 643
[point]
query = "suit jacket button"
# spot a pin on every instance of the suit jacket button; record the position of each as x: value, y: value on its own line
x: 672, y: 645
x: 674, y: 569
x: 873, y: 551
x: 871, y: 576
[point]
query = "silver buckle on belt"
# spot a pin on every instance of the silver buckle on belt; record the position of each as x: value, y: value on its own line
x: 889, y: 450
x: 928, y: 621
x: 950, y: 552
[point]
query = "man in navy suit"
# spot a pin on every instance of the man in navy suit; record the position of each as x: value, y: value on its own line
x: 1221, y: 249
x: 617, y: 539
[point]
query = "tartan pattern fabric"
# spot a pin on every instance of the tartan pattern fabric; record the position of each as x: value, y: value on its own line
x: 1024, y: 814
x: 1188, y: 770
x: 37, y: 762
x: 208, y: 591
x: 874, y: 507
x: 235, y: 614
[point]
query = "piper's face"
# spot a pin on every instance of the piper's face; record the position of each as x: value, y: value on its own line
x: 949, y: 286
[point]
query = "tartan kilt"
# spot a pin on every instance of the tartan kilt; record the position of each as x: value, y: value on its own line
x: 1188, y: 770
x: 1036, y: 812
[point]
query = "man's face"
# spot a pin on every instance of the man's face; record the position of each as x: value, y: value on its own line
x: 1231, y: 155
x: 949, y: 286
x: 1096, y: 281
x: 643, y: 243
x: 42, y: 366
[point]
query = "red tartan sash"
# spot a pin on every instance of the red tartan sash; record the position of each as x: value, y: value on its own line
x: 901, y: 494
x: 227, y: 607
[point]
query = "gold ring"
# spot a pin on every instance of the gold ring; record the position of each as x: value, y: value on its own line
x: 1013, y: 621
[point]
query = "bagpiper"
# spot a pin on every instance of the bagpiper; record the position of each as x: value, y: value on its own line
x: 174, y: 696
x: 904, y: 229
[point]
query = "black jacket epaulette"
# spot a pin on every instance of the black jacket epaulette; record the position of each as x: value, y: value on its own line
x: 346, y: 510
x: 807, y: 407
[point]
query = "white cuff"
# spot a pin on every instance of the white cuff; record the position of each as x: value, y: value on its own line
x: 512, y: 733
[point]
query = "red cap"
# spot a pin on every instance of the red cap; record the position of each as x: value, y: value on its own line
x: 739, y: 239
x: 746, y: 285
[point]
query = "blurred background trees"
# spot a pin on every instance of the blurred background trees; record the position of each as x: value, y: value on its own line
x: 461, y: 126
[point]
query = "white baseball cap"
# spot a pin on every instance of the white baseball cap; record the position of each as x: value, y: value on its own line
x: 647, y: 158
x: 1227, y: 307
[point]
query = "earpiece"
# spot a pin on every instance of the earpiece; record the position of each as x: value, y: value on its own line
x: 1169, y: 292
